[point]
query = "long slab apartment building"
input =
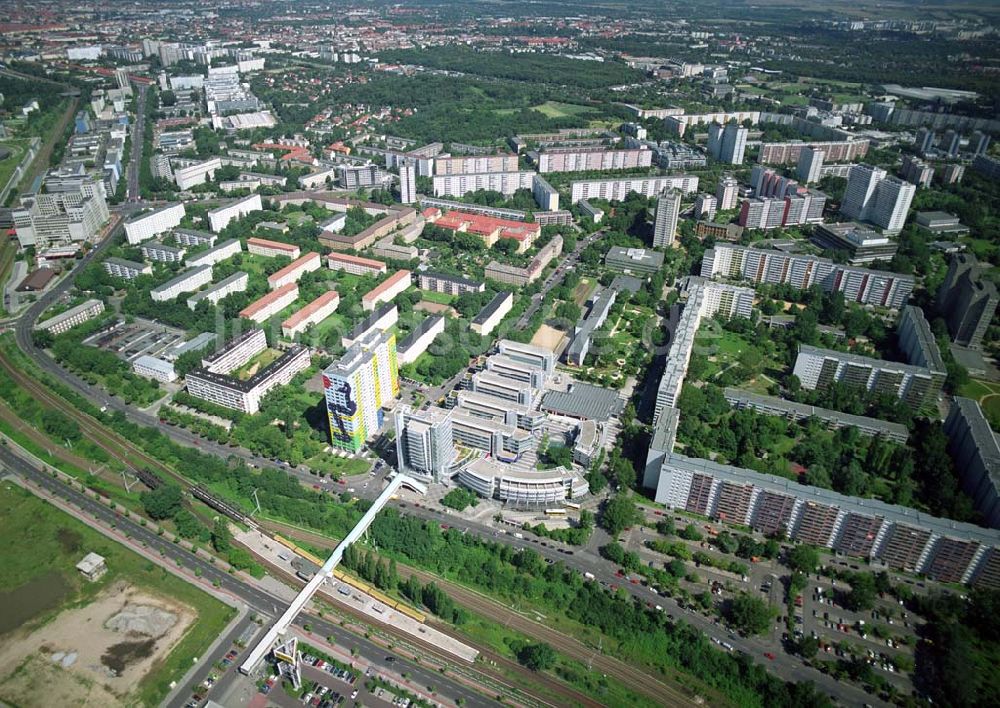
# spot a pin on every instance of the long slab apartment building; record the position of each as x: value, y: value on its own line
x: 901, y: 538
x: 213, y: 382
x: 617, y: 189
x: 788, y: 153
x: 757, y: 265
x: 571, y: 159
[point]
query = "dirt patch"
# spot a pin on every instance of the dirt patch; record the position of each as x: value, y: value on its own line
x: 435, y: 308
x: 94, y: 655
x: 548, y: 337
x: 70, y: 540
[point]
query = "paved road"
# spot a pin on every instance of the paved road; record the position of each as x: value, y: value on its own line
x: 556, y: 277
x: 138, y: 135
x: 254, y: 597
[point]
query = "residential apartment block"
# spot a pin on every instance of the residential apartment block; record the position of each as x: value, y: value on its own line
x: 215, y: 254
x: 873, y: 196
x: 312, y: 314
x: 129, y: 270
x: 475, y: 164
x: 617, y: 189
x: 355, y: 264
x: 220, y: 218
x: 271, y: 304
x: 790, y: 153
x: 493, y: 313
x: 967, y: 300
x: 448, y: 284
x: 417, y: 341
x: 588, y: 159
x: 143, y: 227
x: 294, y: 271
x: 188, y: 281
x: 461, y: 184
x: 235, y: 283
x: 65, y: 321
x: 513, y: 275
x: 974, y: 447
x: 156, y: 251
x: 387, y: 290
x: 271, y: 249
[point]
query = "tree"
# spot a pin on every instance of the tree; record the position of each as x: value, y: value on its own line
x: 221, y: 538
x: 862, y: 593
x: 60, y: 426
x: 537, y: 657
x: 691, y: 533
x: 163, y: 502
x: 619, y: 513
x: 803, y: 558
x: 751, y: 615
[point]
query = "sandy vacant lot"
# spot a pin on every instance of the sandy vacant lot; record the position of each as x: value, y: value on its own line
x: 435, y: 308
x: 94, y: 655
x: 548, y: 337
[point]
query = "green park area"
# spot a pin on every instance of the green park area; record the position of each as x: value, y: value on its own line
x: 46, y: 602
x: 436, y: 297
x: 11, y: 154
x: 558, y: 109
x: 988, y: 395
x: 729, y: 357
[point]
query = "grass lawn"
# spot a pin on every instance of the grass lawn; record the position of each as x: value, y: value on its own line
x: 258, y: 363
x: 976, y: 389
x: 57, y: 542
x: 557, y: 109
x: 335, y: 466
x: 436, y: 297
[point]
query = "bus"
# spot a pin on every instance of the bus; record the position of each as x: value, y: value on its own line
x: 555, y: 512
x: 572, y: 505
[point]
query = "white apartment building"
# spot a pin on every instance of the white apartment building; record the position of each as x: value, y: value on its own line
x: 727, y: 193
x: 216, y: 254
x: 460, y: 184
x: 416, y: 343
x: 492, y: 315
x: 425, y: 446
x: 380, y: 320
x: 151, y: 224
x: 292, y: 272
x: 599, y: 158
x: 545, y: 194
x: 668, y: 210
x: 57, y: 219
x: 313, y: 313
x: 220, y: 218
x: 271, y: 304
x: 156, y: 251
x: 191, y: 175
x: 129, y: 270
x: 271, y: 249
x: 156, y: 369
x: 235, y: 283
x: 188, y: 281
x: 705, y: 206
x: 871, y: 195
x: 194, y: 238
x: 475, y: 164
x: 387, y: 290
x: 355, y: 264
x: 72, y: 317
x: 619, y: 188
x: 245, y: 396
x: 408, y: 182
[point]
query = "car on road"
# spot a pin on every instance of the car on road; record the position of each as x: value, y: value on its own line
x: 769, y: 655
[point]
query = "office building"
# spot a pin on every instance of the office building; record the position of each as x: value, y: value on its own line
x: 215, y: 254
x: 614, y: 190
x: 916, y: 386
x: 758, y: 265
x: 294, y: 271
x: 448, y: 284
x: 47, y: 220
x: 668, y: 209
x: 974, y: 448
x: 425, y: 446
x: 271, y: 304
x: 357, y: 385
x: 941, y: 223
x: 967, y: 300
x: 188, y: 281
x: 235, y: 283
x: 571, y: 159
x: 917, y: 171
x: 492, y: 314
x: 127, y: 270
x: 528, y: 354
x: 727, y: 193
x: 810, y: 165
x: 860, y: 243
x: 416, y: 342
x: 220, y: 218
x: 500, y: 440
x: 897, y: 536
x: 705, y: 206
x: 215, y: 382
x: 519, y: 488
x: 271, y: 249
x: 65, y: 321
x: 727, y: 143
x: 387, y: 290
x: 873, y: 196
x: 355, y: 264
x: 312, y: 314
x: 634, y: 260
x: 408, y: 182
x: 151, y: 224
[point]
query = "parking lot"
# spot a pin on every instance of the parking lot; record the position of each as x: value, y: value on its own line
x: 134, y: 339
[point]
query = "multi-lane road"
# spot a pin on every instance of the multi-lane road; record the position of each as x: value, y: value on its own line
x: 138, y: 137
x: 253, y: 596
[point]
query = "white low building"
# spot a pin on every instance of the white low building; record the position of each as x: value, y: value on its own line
x: 152, y: 368
x: 216, y: 254
x: 416, y: 343
x: 313, y: 313
x: 235, y: 283
x: 72, y: 317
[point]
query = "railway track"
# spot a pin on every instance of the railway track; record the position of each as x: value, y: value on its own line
x: 646, y: 684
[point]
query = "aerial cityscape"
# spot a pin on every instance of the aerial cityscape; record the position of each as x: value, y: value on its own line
x: 466, y: 353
